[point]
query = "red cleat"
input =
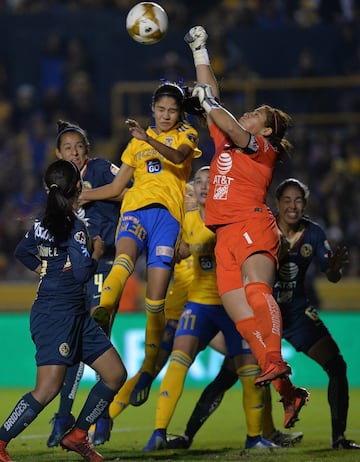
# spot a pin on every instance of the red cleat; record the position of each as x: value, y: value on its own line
x: 4, y: 456
x: 77, y: 441
x: 276, y: 369
x: 293, y: 404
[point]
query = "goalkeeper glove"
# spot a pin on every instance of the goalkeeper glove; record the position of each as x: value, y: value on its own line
x: 206, y: 97
x: 196, y: 39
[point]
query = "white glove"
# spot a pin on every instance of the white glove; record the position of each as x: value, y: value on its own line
x: 206, y: 97
x: 196, y: 38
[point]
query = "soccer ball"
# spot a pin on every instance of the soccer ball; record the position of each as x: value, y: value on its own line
x: 147, y: 23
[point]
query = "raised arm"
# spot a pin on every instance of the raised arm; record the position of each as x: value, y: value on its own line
x: 196, y: 39
x: 207, y: 89
x: 177, y: 156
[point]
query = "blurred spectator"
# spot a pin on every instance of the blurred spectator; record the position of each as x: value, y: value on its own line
x: 76, y: 58
x: 271, y: 15
x: 80, y: 104
x: 171, y: 67
x: 25, y: 106
x: 306, y: 14
x: 52, y: 65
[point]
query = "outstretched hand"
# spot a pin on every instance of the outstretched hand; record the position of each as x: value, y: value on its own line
x: 338, y: 259
x: 196, y: 38
x: 336, y: 262
x: 136, y: 130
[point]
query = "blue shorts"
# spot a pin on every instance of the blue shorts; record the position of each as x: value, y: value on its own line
x: 66, y: 339
x: 154, y: 229
x: 95, y: 284
x: 205, y: 321
x: 304, y: 329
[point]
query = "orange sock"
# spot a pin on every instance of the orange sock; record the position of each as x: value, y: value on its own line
x: 250, y: 332
x: 283, y: 386
x: 267, y: 314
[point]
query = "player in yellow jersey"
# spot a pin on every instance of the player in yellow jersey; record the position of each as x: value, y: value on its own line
x: 175, y: 301
x: 202, y: 318
x: 159, y: 162
x: 176, y: 298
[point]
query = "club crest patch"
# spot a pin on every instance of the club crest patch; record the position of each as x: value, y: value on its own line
x: 64, y: 349
x: 306, y: 250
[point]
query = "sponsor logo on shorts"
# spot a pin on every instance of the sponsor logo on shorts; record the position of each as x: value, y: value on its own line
x: 164, y: 250
x: 64, y: 349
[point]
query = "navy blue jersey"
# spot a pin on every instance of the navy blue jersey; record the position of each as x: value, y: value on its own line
x: 289, y: 289
x: 65, y: 268
x: 101, y: 217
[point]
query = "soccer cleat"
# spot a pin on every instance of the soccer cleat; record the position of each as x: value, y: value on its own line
x: 77, y: 441
x: 258, y: 442
x: 285, y: 439
x: 102, y: 431
x: 276, y: 369
x: 293, y: 404
x: 157, y: 441
x: 61, y: 425
x: 4, y: 456
x: 141, y: 390
x: 179, y: 442
x: 343, y: 443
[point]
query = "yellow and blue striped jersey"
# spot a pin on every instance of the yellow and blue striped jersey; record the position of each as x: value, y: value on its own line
x: 202, y: 243
x: 157, y: 179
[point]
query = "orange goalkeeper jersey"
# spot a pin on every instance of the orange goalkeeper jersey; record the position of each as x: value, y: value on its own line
x: 239, y: 181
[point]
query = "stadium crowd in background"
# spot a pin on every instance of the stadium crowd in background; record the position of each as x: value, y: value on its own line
x: 326, y: 157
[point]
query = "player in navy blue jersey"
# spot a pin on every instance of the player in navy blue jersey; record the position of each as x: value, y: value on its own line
x: 302, y: 241
x: 101, y: 218
x: 58, y: 248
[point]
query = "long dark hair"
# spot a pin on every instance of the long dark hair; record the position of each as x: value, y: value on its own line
x: 61, y: 179
x: 279, y: 121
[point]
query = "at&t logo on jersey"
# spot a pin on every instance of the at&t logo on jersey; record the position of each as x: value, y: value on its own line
x: 224, y: 163
x: 222, y: 181
x: 154, y: 166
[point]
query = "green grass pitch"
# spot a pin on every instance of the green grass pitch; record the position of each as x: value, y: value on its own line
x: 220, y: 439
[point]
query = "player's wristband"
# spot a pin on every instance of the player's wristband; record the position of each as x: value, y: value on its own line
x: 209, y: 104
x: 201, y: 57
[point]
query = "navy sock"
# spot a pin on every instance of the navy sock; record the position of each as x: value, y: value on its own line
x: 25, y: 411
x: 96, y: 404
x: 70, y: 387
x: 210, y: 399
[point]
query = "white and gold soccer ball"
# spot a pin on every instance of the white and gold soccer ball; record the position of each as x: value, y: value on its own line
x: 147, y: 23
